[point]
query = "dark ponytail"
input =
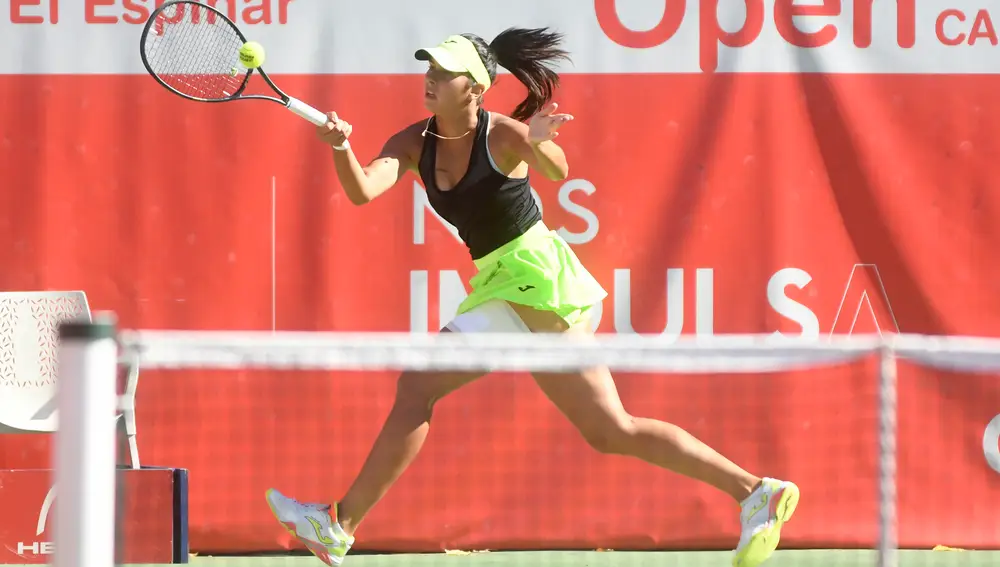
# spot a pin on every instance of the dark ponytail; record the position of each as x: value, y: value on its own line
x: 527, y: 54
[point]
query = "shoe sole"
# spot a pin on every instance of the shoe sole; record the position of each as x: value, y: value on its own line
x: 316, y: 549
x: 762, y: 545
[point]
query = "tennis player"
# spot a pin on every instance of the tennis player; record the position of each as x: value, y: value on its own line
x: 474, y: 165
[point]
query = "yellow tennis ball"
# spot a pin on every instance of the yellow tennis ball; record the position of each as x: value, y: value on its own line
x: 252, y: 55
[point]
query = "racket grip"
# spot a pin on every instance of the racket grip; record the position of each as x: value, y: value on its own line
x: 305, y: 111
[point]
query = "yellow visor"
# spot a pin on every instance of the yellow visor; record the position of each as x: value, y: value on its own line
x: 458, y: 55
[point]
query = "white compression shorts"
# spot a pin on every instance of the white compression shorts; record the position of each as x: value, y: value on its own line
x: 494, y: 316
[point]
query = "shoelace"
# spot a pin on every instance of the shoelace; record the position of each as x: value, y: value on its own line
x: 311, y: 506
x: 318, y: 507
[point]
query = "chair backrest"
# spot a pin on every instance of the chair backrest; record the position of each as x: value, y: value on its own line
x: 29, y: 355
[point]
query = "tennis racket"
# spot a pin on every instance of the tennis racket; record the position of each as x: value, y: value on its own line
x: 193, y: 50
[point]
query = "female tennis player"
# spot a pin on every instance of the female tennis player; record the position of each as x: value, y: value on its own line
x: 474, y: 165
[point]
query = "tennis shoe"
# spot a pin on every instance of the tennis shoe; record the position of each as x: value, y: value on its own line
x: 761, y: 517
x: 315, y: 525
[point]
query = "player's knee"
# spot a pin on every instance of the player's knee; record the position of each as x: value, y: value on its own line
x: 414, y: 394
x: 612, y: 436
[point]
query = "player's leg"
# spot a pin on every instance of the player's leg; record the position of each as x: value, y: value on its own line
x: 589, y: 399
x: 328, y: 531
x: 401, y: 438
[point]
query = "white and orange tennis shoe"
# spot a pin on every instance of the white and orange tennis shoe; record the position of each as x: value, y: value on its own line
x: 315, y: 525
x: 761, y: 517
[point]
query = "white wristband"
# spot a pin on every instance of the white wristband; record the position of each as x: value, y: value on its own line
x: 346, y: 145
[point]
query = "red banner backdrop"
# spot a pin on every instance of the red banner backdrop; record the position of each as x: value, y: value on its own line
x: 799, y: 204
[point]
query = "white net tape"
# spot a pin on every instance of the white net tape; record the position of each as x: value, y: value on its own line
x: 509, y: 352
x: 964, y: 354
x: 504, y: 352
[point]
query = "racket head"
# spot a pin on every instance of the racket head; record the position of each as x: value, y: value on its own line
x: 192, y: 50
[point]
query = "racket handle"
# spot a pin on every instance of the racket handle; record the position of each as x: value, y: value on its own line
x: 305, y: 111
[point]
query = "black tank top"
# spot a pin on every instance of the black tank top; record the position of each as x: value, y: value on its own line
x: 488, y: 208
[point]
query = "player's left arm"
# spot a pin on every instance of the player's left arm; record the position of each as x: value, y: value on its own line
x: 533, y: 143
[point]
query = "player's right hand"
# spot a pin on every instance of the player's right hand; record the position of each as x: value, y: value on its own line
x: 335, y: 132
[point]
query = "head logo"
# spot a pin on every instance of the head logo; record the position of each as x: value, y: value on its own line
x: 43, y: 514
x: 39, y: 547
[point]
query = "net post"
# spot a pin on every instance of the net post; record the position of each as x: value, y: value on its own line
x: 84, y: 459
x: 887, y: 543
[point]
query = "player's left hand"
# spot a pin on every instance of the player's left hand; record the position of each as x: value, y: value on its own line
x: 544, y: 125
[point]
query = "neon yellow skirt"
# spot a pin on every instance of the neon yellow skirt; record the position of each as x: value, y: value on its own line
x: 537, y: 269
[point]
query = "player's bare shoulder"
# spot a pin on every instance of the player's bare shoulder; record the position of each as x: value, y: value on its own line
x: 413, y: 134
x: 406, y: 144
x: 507, y: 135
x: 505, y: 126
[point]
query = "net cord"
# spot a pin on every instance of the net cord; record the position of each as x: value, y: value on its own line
x: 289, y: 350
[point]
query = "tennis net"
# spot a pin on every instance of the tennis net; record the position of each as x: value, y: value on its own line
x: 502, y: 471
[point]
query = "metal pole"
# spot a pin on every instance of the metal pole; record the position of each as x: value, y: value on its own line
x: 84, y: 458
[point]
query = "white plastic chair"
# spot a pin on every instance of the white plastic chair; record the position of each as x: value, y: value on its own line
x: 29, y: 364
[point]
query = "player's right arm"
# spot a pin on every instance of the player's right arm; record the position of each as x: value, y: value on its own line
x: 364, y: 183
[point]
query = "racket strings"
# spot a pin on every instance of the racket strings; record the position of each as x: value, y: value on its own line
x: 194, y: 53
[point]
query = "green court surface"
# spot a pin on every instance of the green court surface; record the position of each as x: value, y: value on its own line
x: 795, y: 558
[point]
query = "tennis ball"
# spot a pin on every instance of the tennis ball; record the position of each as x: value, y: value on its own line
x: 252, y: 55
